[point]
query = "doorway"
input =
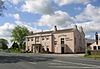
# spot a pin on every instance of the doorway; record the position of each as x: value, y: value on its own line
x: 37, y: 48
x: 62, y: 50
x: 62, y: 45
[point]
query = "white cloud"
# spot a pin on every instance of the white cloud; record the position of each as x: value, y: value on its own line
x: 64, y: 2
x: 17, y: 17
x: 90, y: 18
x: 90, y: 27
x: 5, y: 30
x: 59, y: 18
x: 37, y: 6
x: 15, y: 2
x: 90, y: 13
x: 29, y: 27
x: 88, y: 36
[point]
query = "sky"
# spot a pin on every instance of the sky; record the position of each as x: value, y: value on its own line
x: 38, y: 15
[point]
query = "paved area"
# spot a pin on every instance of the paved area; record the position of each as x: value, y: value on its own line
x: 46, y: 61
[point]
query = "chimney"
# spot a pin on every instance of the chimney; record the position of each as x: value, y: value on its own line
x: 80, y: 29
x: 75, y: 26
x: 55, y: 28
x: 31, y: 32
x: 96, y: 38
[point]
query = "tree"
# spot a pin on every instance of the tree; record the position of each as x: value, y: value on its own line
x: 2, y: 7
x: 3, y: 44
x: 14, y: 45
x: 18, y: 35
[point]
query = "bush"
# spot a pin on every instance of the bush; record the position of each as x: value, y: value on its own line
x: 89, y: 52
x: 15, y: 50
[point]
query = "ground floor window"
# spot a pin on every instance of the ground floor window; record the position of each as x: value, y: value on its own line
x: 94, y: 47
x: 55, y: 42
x: 98, y: 47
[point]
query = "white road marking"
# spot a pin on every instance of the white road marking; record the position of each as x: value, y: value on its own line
x: 75, y: 67
x: 32, y: 62
x: 55, y: 63
x: 77, y: 63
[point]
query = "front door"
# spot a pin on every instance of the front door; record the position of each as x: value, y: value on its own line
x: 62, y: 45
x: 62, y: 50
x: 36, y: 48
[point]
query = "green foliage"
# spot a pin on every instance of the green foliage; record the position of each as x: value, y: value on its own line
x: 15, y: 50
x: 92, y: 56
x: 14, y: 45
x: 3, y: 44
x: 18, y: 34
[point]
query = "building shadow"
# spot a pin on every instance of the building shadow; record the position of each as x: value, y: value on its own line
x: 68, y: 50
x: 16, y: 59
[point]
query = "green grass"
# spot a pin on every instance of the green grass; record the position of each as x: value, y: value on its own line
x: 92, y: 56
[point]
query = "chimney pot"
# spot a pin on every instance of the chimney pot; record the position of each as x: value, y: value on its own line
x: 55, y: 28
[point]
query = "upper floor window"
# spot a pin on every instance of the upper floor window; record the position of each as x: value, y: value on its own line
x: 37, y: 39
x: 31, y: 39
x: 42, y: 38
x: 62, y: 40
x: 47, y: 38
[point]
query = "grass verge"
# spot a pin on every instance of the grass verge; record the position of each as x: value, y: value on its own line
x: 92, y: 56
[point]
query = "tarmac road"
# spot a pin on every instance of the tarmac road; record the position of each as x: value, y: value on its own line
x: 46, y: 61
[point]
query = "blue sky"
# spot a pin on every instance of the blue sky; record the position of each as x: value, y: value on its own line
x: 38, y: 15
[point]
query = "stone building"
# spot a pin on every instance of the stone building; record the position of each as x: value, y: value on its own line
x: 70, y: 40
x: 96, y: 44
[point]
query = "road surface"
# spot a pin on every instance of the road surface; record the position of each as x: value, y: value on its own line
x: 45, y: 61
